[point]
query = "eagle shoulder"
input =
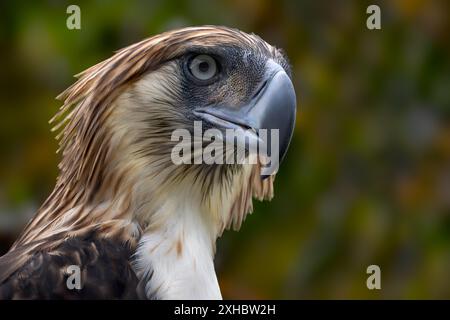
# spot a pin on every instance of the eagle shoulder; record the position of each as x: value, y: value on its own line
x: 104, y: 265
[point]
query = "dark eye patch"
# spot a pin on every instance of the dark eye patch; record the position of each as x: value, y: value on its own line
x: 240, y: 71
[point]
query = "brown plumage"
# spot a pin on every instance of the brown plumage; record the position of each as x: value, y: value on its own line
x: 107, y: 177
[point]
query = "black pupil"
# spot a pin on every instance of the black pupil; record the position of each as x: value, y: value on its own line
x: 203, y: 66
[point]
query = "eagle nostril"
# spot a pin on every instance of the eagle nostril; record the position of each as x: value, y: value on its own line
x: 259, y: 89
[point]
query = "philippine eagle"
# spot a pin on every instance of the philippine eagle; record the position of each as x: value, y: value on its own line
x: 134, y: 223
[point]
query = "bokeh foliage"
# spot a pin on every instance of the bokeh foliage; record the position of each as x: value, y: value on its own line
x: 367, y: 177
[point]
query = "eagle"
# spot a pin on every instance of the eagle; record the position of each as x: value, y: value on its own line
x: 130, y: 221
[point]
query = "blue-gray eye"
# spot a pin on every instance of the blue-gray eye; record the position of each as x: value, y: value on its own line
x: 203, y: 67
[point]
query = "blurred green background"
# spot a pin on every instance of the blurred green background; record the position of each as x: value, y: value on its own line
x: 367, y: 177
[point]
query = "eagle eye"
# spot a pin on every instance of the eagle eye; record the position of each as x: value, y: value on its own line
x: 203, y: 67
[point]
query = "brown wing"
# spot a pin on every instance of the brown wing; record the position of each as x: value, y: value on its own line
x: 104, y: 264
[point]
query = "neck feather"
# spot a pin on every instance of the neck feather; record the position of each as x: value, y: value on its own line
x: 124, y: 187
x: 174, y: 259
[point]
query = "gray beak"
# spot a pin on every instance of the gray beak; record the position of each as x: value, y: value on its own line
x: 272, y: 107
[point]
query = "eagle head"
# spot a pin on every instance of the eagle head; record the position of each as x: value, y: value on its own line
x: 117, y: 129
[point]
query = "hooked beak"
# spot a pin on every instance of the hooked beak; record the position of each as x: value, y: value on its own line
x: 272, y: 107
